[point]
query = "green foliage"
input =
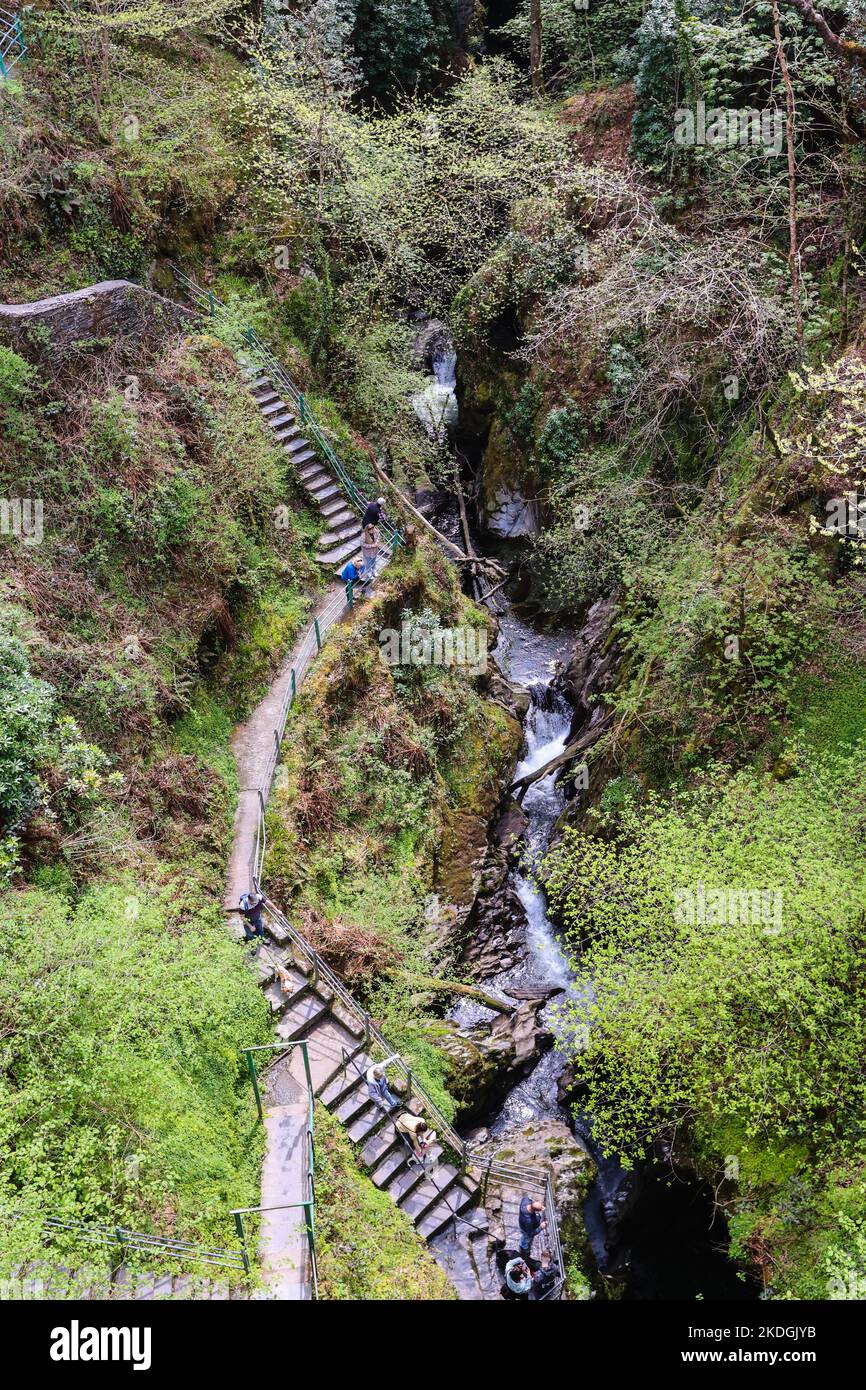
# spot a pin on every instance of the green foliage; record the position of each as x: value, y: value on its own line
x: 752, y: 1017
x: 144, y: 1117
x: 27, y: 710
x: 581, y: 47
x: 721, y: 630
x: 366, y: 1247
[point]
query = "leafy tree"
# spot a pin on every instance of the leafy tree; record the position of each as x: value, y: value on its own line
x: 727, y: 1017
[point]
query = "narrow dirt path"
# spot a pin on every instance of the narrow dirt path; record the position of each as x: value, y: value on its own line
x: 252, y: 745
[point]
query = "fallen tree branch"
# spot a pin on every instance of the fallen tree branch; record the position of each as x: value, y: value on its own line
x: 519, y: 788
x: 455, y: 987
x: 473, y: 561
x: 848, y: 49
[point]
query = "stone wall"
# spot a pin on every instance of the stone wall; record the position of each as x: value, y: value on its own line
x: 112, y: 309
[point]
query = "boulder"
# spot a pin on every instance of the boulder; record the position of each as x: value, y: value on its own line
x: 485, y: 1060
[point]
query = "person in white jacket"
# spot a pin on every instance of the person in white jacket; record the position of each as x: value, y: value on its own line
x: 377, y: 1085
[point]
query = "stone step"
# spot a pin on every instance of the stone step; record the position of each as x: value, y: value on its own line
x: 260, y: 383
x: 438, y: 1217
x: 276, y: 420
x: 347, y: 550
x: 297, y: 1021
x: 295, y: 446
x: 352, y: 1104
x: 388, y: 1168
x: 313, y: 469
x: 369, y: 1120
x: 342, y: 531
x: 318, y: 478
x: 343, y: 1080
x: 287, y: 434
x: 430, y: 1193
x: 277, y: 997
x: 337, y: 510
x: 273, y: 406
x: 405, y: 1179
x: 381, y: 1144
x: 323, y: 491
x: 308, y: 456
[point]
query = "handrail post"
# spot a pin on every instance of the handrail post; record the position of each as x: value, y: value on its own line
x: 408, y: 1085
x: 302, y: 404
x: 366, y: 1029
x: 294, y: 686
x: 349, y: 596
x: 464, y: 1156
x: 318, y: 634
x: 306, y: 1052
x: 239, y: 1227
x: 315, y: 975
x: 211, y: 300
x: 251, y: 1068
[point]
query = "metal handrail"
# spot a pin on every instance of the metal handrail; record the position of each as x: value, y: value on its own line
x: 141, y: 1240
x: 11, y: 38
x: 261, y: 356
x: 308, y: 1202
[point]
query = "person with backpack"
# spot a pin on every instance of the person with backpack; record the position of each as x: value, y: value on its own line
x: 417, y: 1132
x: 545, y: 1278
x: 250, y: 907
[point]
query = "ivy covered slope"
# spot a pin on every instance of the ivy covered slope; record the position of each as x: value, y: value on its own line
x: 140, y: 612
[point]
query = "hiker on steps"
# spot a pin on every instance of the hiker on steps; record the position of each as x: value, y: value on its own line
x: 370, y: 552
x: 373, y: 515
x: 377, y: 1086
x: 250, y: 907
x: 530, y: 1220
x: 417, y: 1132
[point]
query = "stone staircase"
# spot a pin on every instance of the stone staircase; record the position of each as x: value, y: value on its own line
x: 341, y: 539
x: 308, y: 1010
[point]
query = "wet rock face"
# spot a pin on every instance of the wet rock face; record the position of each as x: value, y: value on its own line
x: 592, y: 668
x: 486, y: 1060
x: 511, y: 515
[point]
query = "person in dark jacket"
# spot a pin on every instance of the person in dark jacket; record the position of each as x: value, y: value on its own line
x: 546, y: 1277
x: 250, y: 907
x: 373, y: 514
x: 530, y: 1221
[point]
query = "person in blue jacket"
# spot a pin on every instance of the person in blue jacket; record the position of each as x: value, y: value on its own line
x: 352, y: 576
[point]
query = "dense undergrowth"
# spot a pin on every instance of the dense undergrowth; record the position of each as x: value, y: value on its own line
x: 627, y: 312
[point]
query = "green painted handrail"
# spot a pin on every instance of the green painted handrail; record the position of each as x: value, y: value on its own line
x: 12, y: 45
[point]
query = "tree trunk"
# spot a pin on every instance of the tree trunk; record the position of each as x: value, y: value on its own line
x: 793, y: 242
x: 535, y: 47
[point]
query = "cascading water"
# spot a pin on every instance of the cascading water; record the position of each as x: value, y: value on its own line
x: 649, y: 1227
x: 436, y: 406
